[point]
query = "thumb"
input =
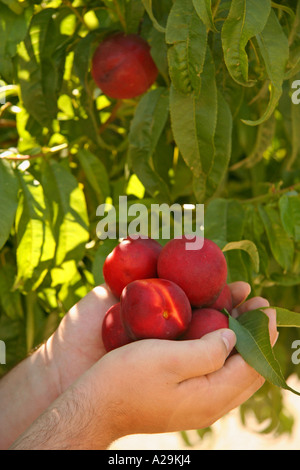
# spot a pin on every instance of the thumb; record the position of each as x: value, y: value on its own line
x: 205, y: 355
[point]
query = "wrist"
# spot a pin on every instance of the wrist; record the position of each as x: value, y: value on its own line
x: 36, y: 378
x: 79, y: 419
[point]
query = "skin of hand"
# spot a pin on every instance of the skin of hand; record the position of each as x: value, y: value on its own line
x: 77, y: 343
x: 185, y: 384
x: 148, y: 386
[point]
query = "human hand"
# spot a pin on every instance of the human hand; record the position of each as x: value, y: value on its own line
x: 77, y: 343
x: 147, y: 386
x: 164, y: 386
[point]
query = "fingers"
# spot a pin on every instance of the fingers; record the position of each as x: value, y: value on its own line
x: 193, y: 358
x: 224, y: 390
x: 239, y: 292
x: 251, y: 304
x: 256, y: 303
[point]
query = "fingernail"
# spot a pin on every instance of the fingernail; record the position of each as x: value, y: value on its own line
x: 229, y: 339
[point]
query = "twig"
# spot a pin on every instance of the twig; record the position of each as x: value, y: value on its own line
x: 269, y: 196
x: 5, y: 107
x: 7, y: 123
x: 112, y: 116
x: 6, y: 155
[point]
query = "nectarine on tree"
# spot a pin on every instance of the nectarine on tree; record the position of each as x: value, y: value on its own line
x: 155, y: 308
x: 132, y: 259
x: 122, y: 66
x: 201, y: 273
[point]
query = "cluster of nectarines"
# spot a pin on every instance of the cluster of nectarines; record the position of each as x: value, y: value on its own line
x: 165, y: 292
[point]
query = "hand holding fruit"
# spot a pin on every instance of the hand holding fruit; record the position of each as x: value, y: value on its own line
x: 156, y: 385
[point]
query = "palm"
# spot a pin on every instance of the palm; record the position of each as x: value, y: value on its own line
x: 78, y: 340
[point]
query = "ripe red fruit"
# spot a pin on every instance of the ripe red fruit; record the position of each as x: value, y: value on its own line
x: 155, y: 308
x: 201, y: 273
x: 205, y: 321
x: 122, y: 66
x: 113, y: 332
x: 224, y: 300
x: 132, y: 259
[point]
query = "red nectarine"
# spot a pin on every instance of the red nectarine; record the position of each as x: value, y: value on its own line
x: 224, y: 301
x: 204, y: 321
x: 201, y: 273
x: 132, y: 259
x: 113, y: 332
x: 122, y: 66
x: 155, y: 308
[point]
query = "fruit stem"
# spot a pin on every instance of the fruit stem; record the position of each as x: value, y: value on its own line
x: 120, y: 16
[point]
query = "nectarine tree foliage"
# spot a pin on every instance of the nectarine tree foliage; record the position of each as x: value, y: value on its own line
x: 218, y: 126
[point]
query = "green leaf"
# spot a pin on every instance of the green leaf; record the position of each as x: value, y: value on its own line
x: 149, y: 9
x: 9, y: 187
x: 41, y: 56
x: 246, y: 19
x: 289, y: 206
x: 96, y: 174
x: 224, y: 221
x: 133, y: 14
x: 293, y: 65
x: 194, y: 122
x: 9, y: 300
x: 203, y: 9
x: 249, y: 247
x: 274, y: 48
x: 102, y: 252
x: 68, y: 209
x: 281, y: 245
x: 223, y: 147
x: 13, y: 28
x: 286, y: 279
x: 287, y: 318
x: 146, y: 128
x: 36, y: 245
x: 253, y: 343
x: 82, y: 55
x: 187, y: 38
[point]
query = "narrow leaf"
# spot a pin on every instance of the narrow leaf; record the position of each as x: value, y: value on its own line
x: 187, y: 37
x: 274, y: 48
x: 9, y: 187
x: 253, y: 343
x: 96, y: 174
x: 146, y: 128
x: 287, y: 318
x: 223, y: 147
x: 69, y: 213
x: 13, y: 28
x: 36, y: 246
x: 246, y: 19
x: 203, y: 9
x: 289, y: 206
x: 194, y: 122
x: 249, y: 247
x: 149, y: 10
x: 281, y: 245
